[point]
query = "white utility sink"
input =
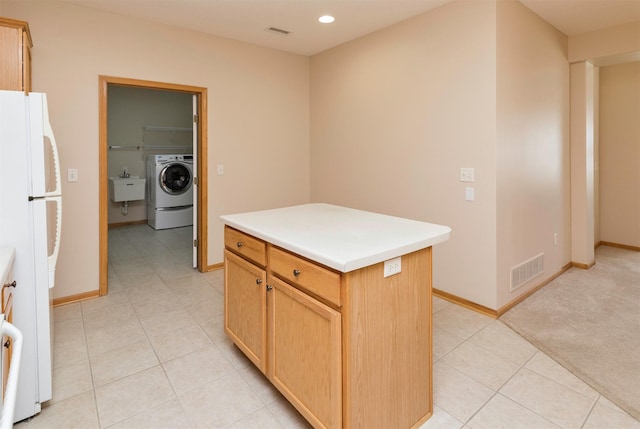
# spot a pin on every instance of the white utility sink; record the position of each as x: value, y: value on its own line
x: 126, y: 188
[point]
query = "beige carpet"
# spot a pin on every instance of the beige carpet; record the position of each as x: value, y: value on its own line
x: 589, y: 322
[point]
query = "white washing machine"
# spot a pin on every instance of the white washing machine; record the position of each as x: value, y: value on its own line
x: 170, y: 191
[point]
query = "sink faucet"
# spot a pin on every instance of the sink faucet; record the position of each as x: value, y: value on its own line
x: 124, y: 174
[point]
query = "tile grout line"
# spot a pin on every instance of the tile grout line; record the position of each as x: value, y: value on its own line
x: 593, y: 406
x: 93, y: 384
x: 524, y: 366
x: 160, y: 363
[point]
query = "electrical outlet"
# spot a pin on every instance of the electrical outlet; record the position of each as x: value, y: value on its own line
x: 467, y: 175
x: 220, y: 169
x: 392, y: 266
x: 72, y: 175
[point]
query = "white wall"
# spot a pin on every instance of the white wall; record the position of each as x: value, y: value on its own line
x: 533, y: 159
x: 258, y: 115
x: 618, y: 41
x: 620, y: 154
x: 471, y: 84
x: 396, y: 114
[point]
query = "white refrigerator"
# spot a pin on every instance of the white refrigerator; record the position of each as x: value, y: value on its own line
x: 30, y: 222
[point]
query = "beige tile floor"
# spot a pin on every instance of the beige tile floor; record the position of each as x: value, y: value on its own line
x: 153, y: 354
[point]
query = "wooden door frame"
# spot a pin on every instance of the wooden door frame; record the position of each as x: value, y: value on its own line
x: 201, y: 173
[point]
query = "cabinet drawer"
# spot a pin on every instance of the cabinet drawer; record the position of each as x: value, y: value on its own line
x: 306, y: 275
x: 243, y: 244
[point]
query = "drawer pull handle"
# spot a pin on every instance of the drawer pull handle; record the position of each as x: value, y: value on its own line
x: 12, y: 284
x: 239, y: 244
x: 258, y: 281
x: 296, y: 273
x: 7, y: 344
x: 269, y: 288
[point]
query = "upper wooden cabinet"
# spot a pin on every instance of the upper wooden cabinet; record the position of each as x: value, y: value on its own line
x: 15, y: 55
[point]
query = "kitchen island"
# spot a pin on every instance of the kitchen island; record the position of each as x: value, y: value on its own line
x: 333, y: 305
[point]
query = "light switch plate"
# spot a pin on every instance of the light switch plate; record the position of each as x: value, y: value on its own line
x: 469, y: 193
x: 72, y: 175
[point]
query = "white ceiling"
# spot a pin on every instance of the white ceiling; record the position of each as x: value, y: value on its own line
x: 247, y: 20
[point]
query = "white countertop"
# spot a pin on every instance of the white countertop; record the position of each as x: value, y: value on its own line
x: 341, y: 238
x: 7, y: 254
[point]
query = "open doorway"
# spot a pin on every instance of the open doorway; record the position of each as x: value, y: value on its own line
x: 199, y: 152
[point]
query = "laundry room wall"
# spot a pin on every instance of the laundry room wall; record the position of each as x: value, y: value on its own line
x: 144, y: 122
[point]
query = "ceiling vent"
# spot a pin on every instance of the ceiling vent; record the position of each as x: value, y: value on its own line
x: 279, y: 31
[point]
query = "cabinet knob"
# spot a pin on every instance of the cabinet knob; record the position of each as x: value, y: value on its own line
x: 296, y: 273
x: 269, y: 287
x: 12, y: 284
x: 7, y: 343
x: 258, y: 281
x: 239, y: 244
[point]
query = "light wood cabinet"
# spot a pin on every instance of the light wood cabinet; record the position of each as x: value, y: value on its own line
x: 306, y: 275
x: 246, y: 246
x: 245, y: 303
x: 348, y: 350
x: 7, y: 310
x: 15, y: 55
x: 293, y: 338
x: 305, y: 353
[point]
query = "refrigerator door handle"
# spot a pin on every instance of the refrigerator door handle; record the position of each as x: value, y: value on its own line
x: 52, y: 259
x: 48, y: 132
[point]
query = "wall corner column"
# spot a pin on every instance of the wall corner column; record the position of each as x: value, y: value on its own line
x: 582, y: 164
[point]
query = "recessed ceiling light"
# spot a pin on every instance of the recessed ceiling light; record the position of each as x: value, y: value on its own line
x: 326, y: 19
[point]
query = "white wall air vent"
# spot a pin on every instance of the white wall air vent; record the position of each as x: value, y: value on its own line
x: 279, y: 31
x: 527, y: 270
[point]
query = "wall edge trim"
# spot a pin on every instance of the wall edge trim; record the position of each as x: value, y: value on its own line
x: 618, y: 245
x: 495, y: 314
x: 76, y: 298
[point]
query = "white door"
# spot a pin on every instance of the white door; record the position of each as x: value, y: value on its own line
x: 196, y: 180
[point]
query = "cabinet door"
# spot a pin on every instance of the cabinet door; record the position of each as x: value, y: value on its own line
x: 11, y: 44
x: 15, y: 55
x: 7, y: 345
x: 305, y: 353
x: 245, y: 305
